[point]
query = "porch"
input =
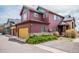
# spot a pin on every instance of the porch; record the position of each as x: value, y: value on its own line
x: 62, y: 28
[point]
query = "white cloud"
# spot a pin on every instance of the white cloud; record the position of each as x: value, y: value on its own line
x: 10, y: 12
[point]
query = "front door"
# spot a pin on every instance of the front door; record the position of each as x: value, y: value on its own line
x: 60, y: 29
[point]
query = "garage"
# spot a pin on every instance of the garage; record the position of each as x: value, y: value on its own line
x: 13, y: 30
x: 23, y: 32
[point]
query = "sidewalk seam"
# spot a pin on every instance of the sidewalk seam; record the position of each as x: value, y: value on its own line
x: 54, y: 50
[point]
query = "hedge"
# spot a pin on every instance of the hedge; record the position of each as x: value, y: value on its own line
x: 41, y: 38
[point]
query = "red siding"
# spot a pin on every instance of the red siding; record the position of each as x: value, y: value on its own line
x: 31, y: 17
x: 53, y: 23
x: 35, y: 27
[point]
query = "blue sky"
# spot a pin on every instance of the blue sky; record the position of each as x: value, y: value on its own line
x: 13, y: 11
x: 9, y: 11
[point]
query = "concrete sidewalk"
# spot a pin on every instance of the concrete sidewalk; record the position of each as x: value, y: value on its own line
x: 76, y: 40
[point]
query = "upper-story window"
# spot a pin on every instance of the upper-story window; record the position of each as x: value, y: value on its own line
x: 24, y: 15
x: 45, y: 15
x: 35, y: 14
x: 57, y: 18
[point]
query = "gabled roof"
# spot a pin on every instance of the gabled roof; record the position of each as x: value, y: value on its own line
x: 68, y: 19
x: 15, y: 21
x: 63, y: 23
x: 49, y: 11
x: 29, y: 8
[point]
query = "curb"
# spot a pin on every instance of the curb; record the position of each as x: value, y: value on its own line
x: 53, y: 50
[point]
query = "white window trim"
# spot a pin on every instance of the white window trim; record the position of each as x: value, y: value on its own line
x: 35, y: 14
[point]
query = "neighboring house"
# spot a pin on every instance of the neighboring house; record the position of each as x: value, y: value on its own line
x: 9, y: 24
x: 67, y: 23
x: 36, y: 21
x: 6, y: 28
x: 1, y: 28
x: 13, y: 26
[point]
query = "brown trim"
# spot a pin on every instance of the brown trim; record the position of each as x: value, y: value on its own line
x: 21, y: 11
x: 18, y: 31
x: 33, y: 21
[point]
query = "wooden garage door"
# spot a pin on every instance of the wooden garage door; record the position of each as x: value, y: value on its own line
x: 23, y: 32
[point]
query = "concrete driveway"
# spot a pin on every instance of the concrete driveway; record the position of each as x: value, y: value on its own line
x: 70, y: 47
x: 15, y: 46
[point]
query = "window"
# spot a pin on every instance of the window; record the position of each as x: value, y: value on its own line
x: 43, y: 28
x: 25, y: 16
x: 41, y: 10
x: 35, y: 14
x: 55, y: 17
x: 45, y: 15
x: 59, y: 18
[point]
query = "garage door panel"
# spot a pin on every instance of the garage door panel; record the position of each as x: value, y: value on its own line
x: 23, y: 32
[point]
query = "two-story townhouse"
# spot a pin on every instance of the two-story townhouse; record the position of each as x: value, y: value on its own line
x: 36, y: 21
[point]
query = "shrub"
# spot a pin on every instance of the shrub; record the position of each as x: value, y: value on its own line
x: 41, y: 38
x: 67, y: 33
x: 71, y: 33
x: 56, y: 33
